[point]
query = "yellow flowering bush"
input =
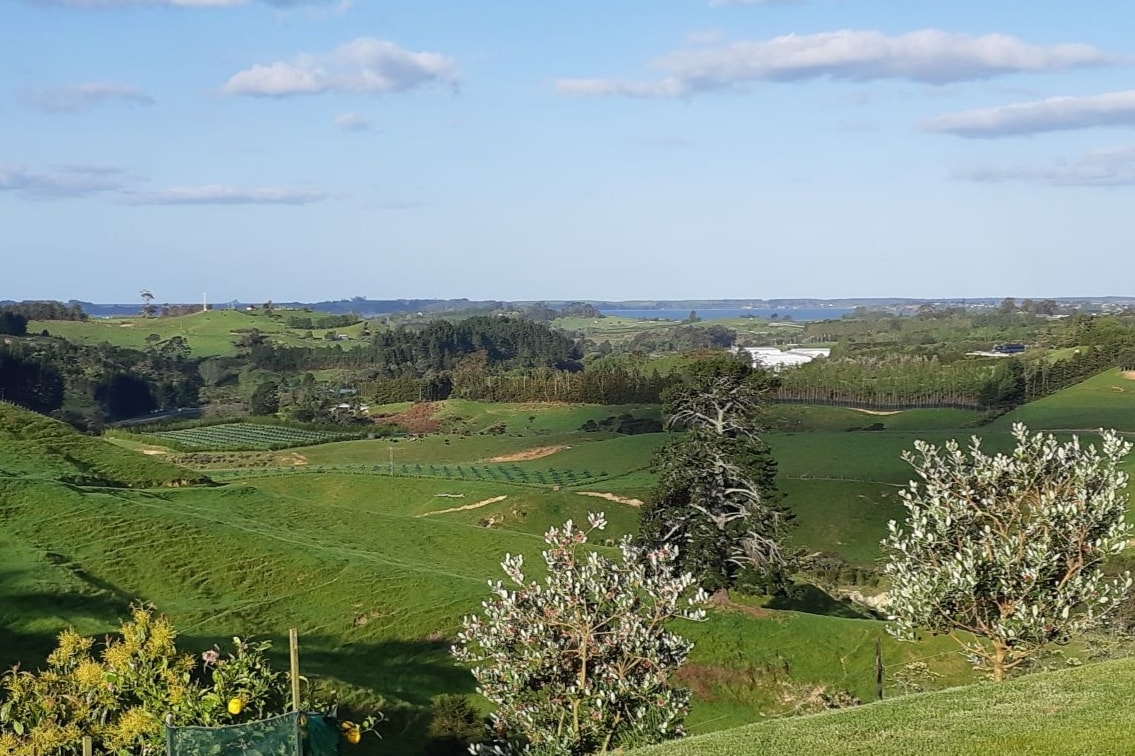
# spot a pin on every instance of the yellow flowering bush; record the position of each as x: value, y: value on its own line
x: 122, y: 695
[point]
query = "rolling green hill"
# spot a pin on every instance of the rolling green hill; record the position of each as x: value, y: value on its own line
x: 1106, y: 400
x: 1072, y: 712
x: 376, y: 570
x: 207, y: 333
x: 34, y: 446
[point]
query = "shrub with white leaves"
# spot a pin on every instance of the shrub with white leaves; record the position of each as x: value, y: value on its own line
x: 581, y: 661
x: 1006, y: 552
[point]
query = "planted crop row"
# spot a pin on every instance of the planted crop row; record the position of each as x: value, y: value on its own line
x: 235, y: 436
x: 486, y: 473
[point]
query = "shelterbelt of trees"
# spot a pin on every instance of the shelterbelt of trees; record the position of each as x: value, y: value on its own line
x: 876, y: 361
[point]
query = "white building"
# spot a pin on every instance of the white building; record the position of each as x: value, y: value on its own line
x: 775, y: 359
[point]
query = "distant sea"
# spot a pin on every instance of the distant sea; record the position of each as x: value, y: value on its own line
x: 798, y: 314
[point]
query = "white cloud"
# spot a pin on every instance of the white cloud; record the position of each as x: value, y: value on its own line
x: 353, y: 122
x: 365, y: 65
x: 81, y: 97
x: 62, y: 182
x: 220, y: 194
x: 669, y: 87
x: 1102, y: 168
x: 929, y: 56
x: 1052, y: 114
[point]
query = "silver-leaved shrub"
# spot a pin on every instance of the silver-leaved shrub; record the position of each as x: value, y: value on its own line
x: 581, y: 661
x: 1006, y: 552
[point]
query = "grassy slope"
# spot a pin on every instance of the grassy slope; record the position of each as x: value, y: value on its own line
x: 372, y: 586
x: 1104, y: 401
x: 209, y: 333
x: 32, y: 445
x: 1074, y: 712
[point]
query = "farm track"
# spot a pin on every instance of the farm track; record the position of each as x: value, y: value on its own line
x: 464, y: 507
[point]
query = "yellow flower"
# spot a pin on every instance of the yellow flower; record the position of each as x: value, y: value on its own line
x: 133, y: 726
x: 89, y: 674
x: 71, y: 645
x: 117, y: 656
x: 161, y: 638
x: 236, y: 705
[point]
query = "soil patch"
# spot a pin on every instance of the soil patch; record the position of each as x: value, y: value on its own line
x: 612, y: 497
x: 1129, y: 374
x: 154, y: 451
x: 529, y: 454
x: 705, y: 680
x: 419, y: 418
x: 476, y: 505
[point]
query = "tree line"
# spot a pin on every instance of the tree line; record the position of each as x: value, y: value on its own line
x: 440, y: 345
x: 98, y: 383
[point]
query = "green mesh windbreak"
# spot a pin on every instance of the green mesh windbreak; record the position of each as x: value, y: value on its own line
x: 294, y: 734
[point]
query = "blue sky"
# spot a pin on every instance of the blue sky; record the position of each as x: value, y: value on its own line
x: 306, y: 150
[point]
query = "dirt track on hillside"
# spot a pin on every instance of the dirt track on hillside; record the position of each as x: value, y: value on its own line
x: 529, y: 454
x: 465, y: 507
x: 612, y: 497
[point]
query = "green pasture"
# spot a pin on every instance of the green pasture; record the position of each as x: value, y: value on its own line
x: 1103, y: 401
x: 847, y: 518
x: 611, y: 328
x: 462, y: 415
x: 617, y: 329
x: 804, y: 417
x: 209, y: 333
x: 371, y: 579
x: 34, y: 446
x: 746, y: 668
x: 376, y: 575
x: 1070, y: 712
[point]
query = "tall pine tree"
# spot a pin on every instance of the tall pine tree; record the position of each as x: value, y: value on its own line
x: 716, y: 497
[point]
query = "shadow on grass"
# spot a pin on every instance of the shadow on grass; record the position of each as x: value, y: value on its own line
x: 399, y: 677
x: 21, y: 637
x: 812, y: 600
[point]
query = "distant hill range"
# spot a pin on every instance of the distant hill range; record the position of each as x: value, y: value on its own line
x: 369, y: 308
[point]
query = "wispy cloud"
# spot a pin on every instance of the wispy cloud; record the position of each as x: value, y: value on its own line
x: 95, y: 4
x: 365, y: 65
x: 1052, y: 114
x: 929, y: 56
x: 353, y: 122
x: 220, y: 194
x: 62, y: 182
x: 1102, y: 168
x: 80, y: 97
x: 75, y: 181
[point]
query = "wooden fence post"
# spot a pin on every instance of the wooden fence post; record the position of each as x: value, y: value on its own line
x: 878, y: 669
x: 88, y: 746
x: 294, y: 651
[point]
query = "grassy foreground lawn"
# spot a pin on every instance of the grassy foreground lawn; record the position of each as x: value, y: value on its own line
x: 1074, y: 711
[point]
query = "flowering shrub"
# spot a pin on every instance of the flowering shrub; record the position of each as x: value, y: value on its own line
x: 580, y: 662
x: 1006, y: 552
x: 121, y: 696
